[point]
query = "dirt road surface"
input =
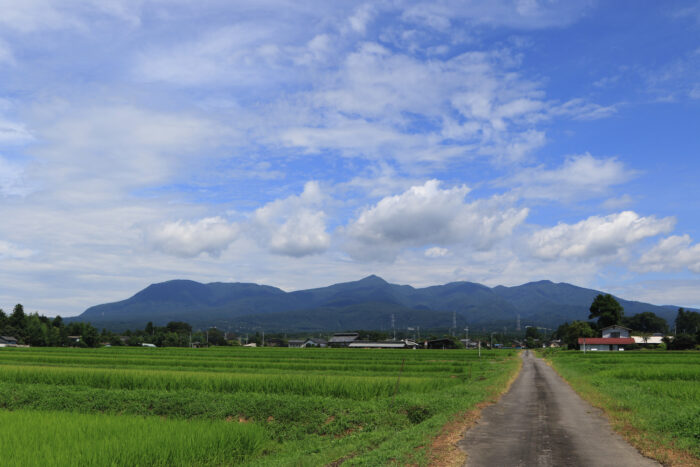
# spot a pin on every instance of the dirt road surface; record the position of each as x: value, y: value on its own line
x: 541, y: 421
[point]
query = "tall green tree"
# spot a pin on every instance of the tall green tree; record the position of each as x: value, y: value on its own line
x: 57, y: 322
x: 36, y: 331
x: 569, y: 333
x: 608, y: 311
x: 646, y: 322
x: 18, y: 318
x: 178, y: 327
x: 687, y: 321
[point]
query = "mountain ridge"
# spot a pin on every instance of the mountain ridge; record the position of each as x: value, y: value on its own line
x: 367, y: 303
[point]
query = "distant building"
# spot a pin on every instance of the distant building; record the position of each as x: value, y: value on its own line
x: 74, y: 339
x: 440, y: 344
x: 604, y: 343
x: 148, y: 345
x: 296, y: 343
x: 616, y: 331
x: 343, y: 339
x: 469, y: 344
x: 655, y: 339
x: 405, y: 344
x: 8, y: 341
x: 315, y: 342
x: 614, y: 338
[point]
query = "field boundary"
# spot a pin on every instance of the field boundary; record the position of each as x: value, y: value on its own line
x: 444, y: 451
x: 643, y: 441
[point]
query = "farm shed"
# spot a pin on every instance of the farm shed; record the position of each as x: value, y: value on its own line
x: 604, y: 343
x: 316, y: 342
x: 74, y: 339
x: 469, y: 344
x: 655, y: 339
x: 8, y: 341
x: 440, y: 344
x: 343, y: 339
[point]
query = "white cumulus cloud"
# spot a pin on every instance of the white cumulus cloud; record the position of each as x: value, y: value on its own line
x: 672, y: 253
x: 294, y: 226
x: 597, y: 236
x: 428, y: 214
x: 210, y: 235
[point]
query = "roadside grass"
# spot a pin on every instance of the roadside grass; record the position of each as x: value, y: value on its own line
x: 651, y: 398
x: 300, y: 406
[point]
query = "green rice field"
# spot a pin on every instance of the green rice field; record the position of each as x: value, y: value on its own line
x: 653, y: 398
x: 236, y: 406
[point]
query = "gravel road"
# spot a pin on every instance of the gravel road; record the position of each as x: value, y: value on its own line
x: 541, y: 421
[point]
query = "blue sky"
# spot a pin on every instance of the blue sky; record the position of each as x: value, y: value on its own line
x: 300, y: 144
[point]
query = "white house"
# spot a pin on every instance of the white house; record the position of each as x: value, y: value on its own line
x: 616, y: 331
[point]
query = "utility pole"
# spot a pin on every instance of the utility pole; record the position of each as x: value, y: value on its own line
x: 517, y: 326
x: 466, y: 335
x: 393, y: 325
x: 454, y: 323
x: 263, y: 339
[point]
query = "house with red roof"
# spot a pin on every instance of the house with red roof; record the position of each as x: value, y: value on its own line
x: 614, y: 338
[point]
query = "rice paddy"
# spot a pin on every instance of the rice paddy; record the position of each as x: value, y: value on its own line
x: 652, y: 398
x: 236, y: 406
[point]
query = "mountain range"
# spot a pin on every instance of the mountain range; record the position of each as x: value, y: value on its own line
x: 365, y: 304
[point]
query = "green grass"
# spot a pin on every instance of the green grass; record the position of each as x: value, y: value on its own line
x: 31, y: 438
x: 291, y: 406
x: 652, y: 397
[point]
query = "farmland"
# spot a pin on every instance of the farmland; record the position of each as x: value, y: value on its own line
x: 652, y: 398
x: 226, y: 406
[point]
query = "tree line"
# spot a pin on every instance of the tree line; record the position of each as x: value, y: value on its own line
x: 40, y: 331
